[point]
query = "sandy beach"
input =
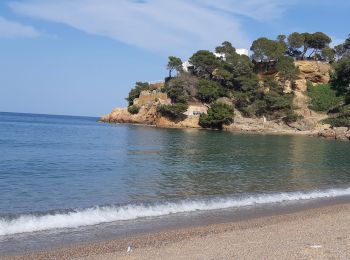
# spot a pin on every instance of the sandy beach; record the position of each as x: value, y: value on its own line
x: 321, y: 233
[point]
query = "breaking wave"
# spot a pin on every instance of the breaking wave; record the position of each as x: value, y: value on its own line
x: 97, y: 215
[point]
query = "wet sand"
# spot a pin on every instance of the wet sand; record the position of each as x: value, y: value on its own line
x: 320, y: 233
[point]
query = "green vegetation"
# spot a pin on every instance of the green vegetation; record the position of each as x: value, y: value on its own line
x: 323, y: 97
x: 341, y: 84
x: 255, y: 85
x: 291, y: 117
x: 172, y: 111
x: 136, y: 91
x: 204, y: 62
x: 181, y: 88
x: 133, y: 109
x: 209, y: 91
x: 266, y: 49
x: 328, y: 54
x: 296, y: 45
x: 218, y: 115
x: 339, y: 121
x: 341, y: 77
x: 343, y: 50
x: 299, y: 44
x: 266, y: 99
x: 287, y: 70
x: 174, y: 63
x: 295, y: 41
x: 342, y: 119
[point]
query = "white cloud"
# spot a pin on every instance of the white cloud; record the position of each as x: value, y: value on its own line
x: 158, y: 25
x: 11, y: 29
x: 255, y: 9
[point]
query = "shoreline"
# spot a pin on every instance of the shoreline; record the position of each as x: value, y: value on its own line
x: 313, y: 134
x: 303, y: 230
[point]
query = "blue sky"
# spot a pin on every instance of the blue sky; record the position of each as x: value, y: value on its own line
x: 81, y: 57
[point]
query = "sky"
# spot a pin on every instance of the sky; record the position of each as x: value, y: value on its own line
x: 81, y: 57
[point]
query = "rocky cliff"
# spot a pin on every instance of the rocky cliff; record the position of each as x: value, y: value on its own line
x: 146, y: 115
x: 149, y: 116
x: 310, y: 124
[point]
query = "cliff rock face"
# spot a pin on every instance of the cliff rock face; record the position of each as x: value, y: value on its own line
x: 188, y: 122
x: 121, y: 115
x: 340, y: 133
x: 147, y: 101
x: 149, y: 116
x: 316, y: 72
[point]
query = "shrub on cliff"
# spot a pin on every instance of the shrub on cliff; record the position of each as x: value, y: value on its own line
x: 209, y: 91
x: 263, y: 99
x: 218, y: 115
x: 291, y: 117
x: 287, y: 70
x: 181, y: 88
x: 136, y: 91
x: 134, y: 109
x: 173, y: 111
x: 342, y: 119
x: 323, y: 97
x: 341, y: 78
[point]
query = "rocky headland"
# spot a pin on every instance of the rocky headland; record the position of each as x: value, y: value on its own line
x: 310, y: 122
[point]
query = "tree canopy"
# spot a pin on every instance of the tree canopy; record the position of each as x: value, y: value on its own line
x: 239, y: 65
x: 299, y: 44
x: 318, y: 41
x: 341, y: 77
x: 204, y: 62
x: 343, y: 49
x: 219, y: 114
x: 209, y: 91
x: 181, y: 88
x: 174, y: 63
x: 295, y: 41
x: 226, y: 48
x: 328, y: 54
x: 266, y: 49
x: 287, y: 69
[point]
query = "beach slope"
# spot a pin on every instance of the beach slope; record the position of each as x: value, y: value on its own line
x: 321, y: 233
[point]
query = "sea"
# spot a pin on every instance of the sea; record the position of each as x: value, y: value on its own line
x: 67, y: 179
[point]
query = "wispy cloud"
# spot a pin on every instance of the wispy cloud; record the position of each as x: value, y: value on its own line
x: 12, y: 29
x: 158, y: 25
x: 262, y: 10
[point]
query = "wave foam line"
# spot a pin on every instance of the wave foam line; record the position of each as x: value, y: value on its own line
x: 98, y: 215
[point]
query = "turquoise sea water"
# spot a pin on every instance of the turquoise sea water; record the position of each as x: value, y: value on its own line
x: 61, y: 172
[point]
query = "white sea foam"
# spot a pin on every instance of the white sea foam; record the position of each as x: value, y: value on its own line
x: 97, y: 215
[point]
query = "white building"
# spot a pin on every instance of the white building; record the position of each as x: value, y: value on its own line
x: 220, y: 56
x: 187, y: 66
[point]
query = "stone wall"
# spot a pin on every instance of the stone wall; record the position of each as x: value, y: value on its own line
x: 148, y: 97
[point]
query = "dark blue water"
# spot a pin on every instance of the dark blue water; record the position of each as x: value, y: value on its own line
x: 56, y: 165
